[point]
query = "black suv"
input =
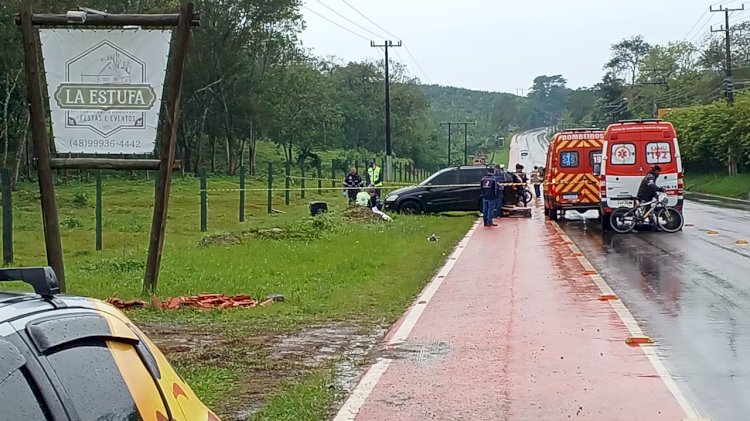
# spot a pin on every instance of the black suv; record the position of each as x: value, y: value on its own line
x: 450, y: 189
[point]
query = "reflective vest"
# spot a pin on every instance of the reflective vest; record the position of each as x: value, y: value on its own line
x: 374, y: 174
x: 363, y: 198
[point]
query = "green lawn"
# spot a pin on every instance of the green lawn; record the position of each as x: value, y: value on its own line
x: 332, y: 268
x: 721, y: 185
x: 502, y: 155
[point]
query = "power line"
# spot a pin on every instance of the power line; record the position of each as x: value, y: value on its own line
x: 349, y: 20
x: 408, y: 51
x: 369, y: 20
x: 419, y: 66
x: 336, y: 23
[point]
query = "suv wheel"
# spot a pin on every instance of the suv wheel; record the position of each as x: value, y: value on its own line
x: 411, y: 207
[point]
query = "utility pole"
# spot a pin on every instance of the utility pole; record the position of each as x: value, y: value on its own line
x: 466, y: 141
x: 614, y: 108
x: 728, y: 46
x: 388, y: 143
x: 450, y: 129
x: 729, y: 82
x: 658, y: 82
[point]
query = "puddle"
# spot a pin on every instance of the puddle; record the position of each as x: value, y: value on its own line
x: 344, y: 345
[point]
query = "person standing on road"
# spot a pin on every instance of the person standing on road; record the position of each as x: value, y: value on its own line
x: 375, y: 177
x: 501, y: 178
x: 489, y: 189
x: 352, y: 183
x: 536, y: 180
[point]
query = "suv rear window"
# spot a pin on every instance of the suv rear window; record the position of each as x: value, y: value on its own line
x: 20, y: 399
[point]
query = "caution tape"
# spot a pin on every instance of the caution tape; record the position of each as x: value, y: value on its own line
x: 387, y: 187
x: 338, y: 180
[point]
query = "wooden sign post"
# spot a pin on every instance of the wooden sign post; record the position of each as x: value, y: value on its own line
x: 169, y: 125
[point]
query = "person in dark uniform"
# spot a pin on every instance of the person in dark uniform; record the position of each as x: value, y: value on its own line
x: 648, y: 188
x: 490, y: 192
x: 352, y: 183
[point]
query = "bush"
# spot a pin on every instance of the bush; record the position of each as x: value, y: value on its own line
x: 80, y: 199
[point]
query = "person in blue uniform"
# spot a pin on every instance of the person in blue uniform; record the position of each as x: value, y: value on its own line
x: 490, y: 191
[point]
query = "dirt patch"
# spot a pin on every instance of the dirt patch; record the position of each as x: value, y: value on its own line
x: 219, y: 240
x: 264, y: 361
x: 359, y: 214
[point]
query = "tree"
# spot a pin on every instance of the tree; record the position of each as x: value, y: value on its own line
x: 550, y: 94
x: 301, y: 109
x: 627, y: 57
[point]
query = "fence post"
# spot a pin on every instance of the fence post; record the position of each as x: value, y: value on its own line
x: 98, y: 211
x: 320, y: 180
x: 333, y: 173
x: 287, y: 183
x: 7, y: 217
x: 204, y: 201
x: 242, y: 193
x: 302, y: 171
x: 270, y: 188
x: 401, y: 173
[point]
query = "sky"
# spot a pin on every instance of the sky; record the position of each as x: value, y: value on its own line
x: 501, y: 45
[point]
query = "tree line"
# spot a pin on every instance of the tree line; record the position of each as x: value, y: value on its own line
x: 249, y: 79
x: 686, y: 78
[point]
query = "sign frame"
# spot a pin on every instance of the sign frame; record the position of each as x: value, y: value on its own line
x: 168, y: 122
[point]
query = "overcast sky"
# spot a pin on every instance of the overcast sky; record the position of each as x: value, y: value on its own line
x: 501, y: 45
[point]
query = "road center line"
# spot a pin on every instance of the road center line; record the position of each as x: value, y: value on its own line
x: 359, y: 395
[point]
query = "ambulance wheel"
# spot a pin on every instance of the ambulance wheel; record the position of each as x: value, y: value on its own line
x: 410, y: 207
x: 546, y: 211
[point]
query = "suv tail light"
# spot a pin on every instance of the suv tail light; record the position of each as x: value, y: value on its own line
x: 603, y: 187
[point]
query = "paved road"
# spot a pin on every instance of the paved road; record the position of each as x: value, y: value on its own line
x: 690, y: 292
x: 519, y: 342
x: 533, y: 141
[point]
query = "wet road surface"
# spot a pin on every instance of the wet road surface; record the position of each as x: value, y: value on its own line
x: 690, y: 292
x: 521, y: 341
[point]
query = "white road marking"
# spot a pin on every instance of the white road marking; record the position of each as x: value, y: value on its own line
x: 635, y: 330
x: 367, y: 384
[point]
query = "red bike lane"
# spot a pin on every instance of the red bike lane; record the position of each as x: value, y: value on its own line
x: 513, y: 328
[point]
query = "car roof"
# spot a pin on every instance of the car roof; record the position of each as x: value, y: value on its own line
x: 18, y: 304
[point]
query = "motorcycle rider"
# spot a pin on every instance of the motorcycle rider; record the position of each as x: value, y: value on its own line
x: 648, y: 190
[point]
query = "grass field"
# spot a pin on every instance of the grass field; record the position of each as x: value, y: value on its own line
x: 502, y: 155
x: 721, y: 185
x: 331, y: 269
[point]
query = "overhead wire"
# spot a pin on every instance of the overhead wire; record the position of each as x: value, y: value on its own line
x: 336, y: 23
x: 387, y: 32
x: 368, y: 19
x: 349, y: 20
